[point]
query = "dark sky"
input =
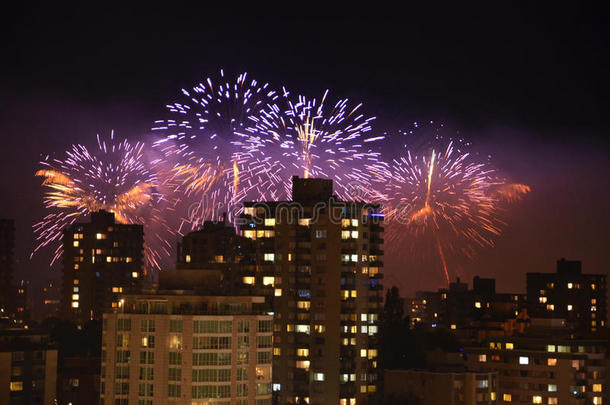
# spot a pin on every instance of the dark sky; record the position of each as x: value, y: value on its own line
x: 527, y: 84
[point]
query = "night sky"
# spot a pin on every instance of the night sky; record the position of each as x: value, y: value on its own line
x: 526, y: 84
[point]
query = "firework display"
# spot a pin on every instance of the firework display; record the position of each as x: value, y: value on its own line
x: 230, y: 140
x: 310, y: 138
x: 204, y: 140
x: 114, y: 177
x: 441, y: 201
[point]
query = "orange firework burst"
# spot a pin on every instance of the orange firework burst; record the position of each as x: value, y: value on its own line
x: 443, y: 201
x: 114, y: 177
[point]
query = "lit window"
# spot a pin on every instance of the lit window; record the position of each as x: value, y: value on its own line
x: 570, y: 307
x: 108, y: 259
x: 75, y: 289
x: 250, y: 234
x: 345, y: 222
x: 550, y: 307
x: 593, y: 301
x: 345, y: 234
x: 303, y: 304
x: 248, y: 280
x: 507, y: 397
x: 318, y: 376
x: 134, y: 274
x: 354, y: 222
x: 269, y: 257
x: 524, y: 360
x: 188, y: 258
x: 289, y: 257
x: 552, y: 388
x: 100, y: 236
x: 354, y: 234
x: 493, y: 396
x: 321, y: 233
x: 302, y: 352
x: 453, y: 326
x: 536, y: 399
x: 249, y: 211
x: 278, y: 292
x: 303, y: 329
x: 16, y: 385
x: 354, y: 258
x: 277, y: 351
x: 597, y: 400
x: 128, y: 260
x: 551, y: 362
x: 597, y: 388
x: 593, y: 286
x: 75, y: 297
x: 542, y: 300
x: 570, y: 285
x: 593, y: 308
x: 550, y: 348
x: 268, y: 280
x: 552, y: 401
x: 477, y: 304
x: 304, y: 364
x: 362, y: 352
x: 74, y: 304
x: 509, y: 346
x: 75, y: 244
x: 482, y: 358
x: 304, y: 221
x: 75, y: 281
x: 269, y: 221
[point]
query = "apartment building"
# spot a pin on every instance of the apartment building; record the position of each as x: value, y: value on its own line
x: 28, y: 368
x: 319, y: 258
x: 447, y: 388
x: 180, y: 347
x: 569, y: 294
x: 101, y: 260
x: 546, y: 367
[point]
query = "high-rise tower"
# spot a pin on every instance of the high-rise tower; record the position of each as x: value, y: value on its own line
x: 102, y: 259
x: 320, y: 259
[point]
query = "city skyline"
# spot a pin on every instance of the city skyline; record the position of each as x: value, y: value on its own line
x: 557, y: 150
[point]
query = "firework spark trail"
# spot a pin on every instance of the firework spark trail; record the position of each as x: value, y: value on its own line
x: 308, y: 137
x: 205, y: 139
x: 443, y: 199
x: 114, y: 177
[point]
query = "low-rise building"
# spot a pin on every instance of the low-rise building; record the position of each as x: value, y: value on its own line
x: 28, y: 368
x: 447, y: 388
x: 544, y: 368
x: 180, y: 347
